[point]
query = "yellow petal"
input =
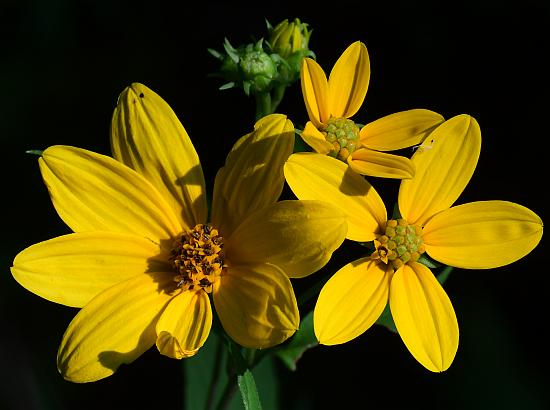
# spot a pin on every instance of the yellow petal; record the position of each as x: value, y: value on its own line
x: 72, y: 269
x: 424, y: 316
x: 256, y: 305
x: 252, y: 177
x: 351, y: 301
x: 482, y: 235
x: 147, y: 136
x: 380, y: 164
x: 400, y: 130
x: 315, y: 176
x: 184, y: 325
x: 444, y: 164
x: 315, y: 139
x: 349, y: 80
x: 115, y: 328
x: 93, y: 192
x: 315, y: 91
x: 297, y: 236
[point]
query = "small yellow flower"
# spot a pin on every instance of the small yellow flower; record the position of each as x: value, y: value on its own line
x: 143, y: 258
x: 330, y: 104
x: 476, y: 235
x: 287, y: 38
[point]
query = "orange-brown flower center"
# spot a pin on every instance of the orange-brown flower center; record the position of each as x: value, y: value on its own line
x: 198, y: 258
x: 401, y: 243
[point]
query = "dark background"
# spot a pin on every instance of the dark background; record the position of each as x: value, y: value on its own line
x: 62, y: 66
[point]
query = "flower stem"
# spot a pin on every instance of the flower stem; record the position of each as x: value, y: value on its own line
x: 276, y: 98
x: 216, y: 378
x: 263, y: 105
x: 228, y: 392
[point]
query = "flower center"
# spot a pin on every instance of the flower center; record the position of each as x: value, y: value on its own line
x: 198, y: 258
x: 343, y: 134
x: 401, y: 243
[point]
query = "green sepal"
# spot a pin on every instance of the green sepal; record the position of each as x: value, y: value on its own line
x: 35, y: 152
x: 227, y: 86
x: 231, y: 52
x: 425, y: 260
x: 303, y: 339
x: 386, y: 319
x: 215, y: 53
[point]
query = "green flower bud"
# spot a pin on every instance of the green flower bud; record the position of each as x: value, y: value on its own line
x: 257, y: 67
x: 248, y: 67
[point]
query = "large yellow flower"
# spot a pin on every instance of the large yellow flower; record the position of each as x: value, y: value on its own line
x: 476, y: 235
x: 330, y: 104
x: 143, y: 258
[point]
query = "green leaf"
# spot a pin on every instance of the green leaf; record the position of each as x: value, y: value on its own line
x: 303, y: 339
x: 249, y: 393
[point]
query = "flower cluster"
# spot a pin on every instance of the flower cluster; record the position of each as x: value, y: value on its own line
x: 150, y: 263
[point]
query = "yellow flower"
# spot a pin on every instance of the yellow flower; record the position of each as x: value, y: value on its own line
x: 287, y: 38
x: 142, y: 259
x: 330, y: 104
x: 476, y: 235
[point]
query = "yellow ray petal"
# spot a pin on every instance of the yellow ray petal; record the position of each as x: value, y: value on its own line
x: 399, y: 130
x: 252, y: 177
x: 256, y: 305
x: 315, y: 91
x: 349, y: 80
x: 93, y: 192
x: 184, y: 325
x: 297, y: 236
x: 72, y: 269
x: 380, y: 164
x: 315, y: 139
x: 147, y: 136
x: 444, y: 164
x: 424, y: 316
x: 315, y: 176
x: 115, y: 328
x: 351, y: 301
x: 482, y: 235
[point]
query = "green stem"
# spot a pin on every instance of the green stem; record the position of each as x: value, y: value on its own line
x: 263, y: 105
x: 228, y: 392
x: 249, y: 357
x: 216, y: 378
x: 277, y: 96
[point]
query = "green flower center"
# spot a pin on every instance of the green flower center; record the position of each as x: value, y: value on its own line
x: 343, y: 134
x: 400, y: 244
x: 198, y: 258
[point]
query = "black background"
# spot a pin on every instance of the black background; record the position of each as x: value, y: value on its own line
x: 62, y: 66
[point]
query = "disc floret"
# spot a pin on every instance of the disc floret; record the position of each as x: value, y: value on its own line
x: 400, y: 244
x: 343, y: 134
x: 198, y: 258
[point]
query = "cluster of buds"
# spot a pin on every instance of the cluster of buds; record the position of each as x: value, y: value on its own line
x: 265, y: 66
